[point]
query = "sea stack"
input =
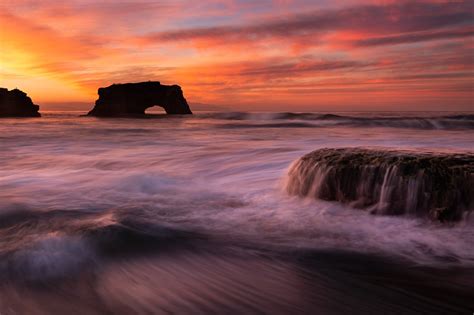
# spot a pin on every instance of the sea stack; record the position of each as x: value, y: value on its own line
x: 132, y: 99
x: 16, y: 103
x: 437, y: 186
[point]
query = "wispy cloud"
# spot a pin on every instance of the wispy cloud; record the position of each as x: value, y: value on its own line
x: 371, y: 19
x: 416, y: 37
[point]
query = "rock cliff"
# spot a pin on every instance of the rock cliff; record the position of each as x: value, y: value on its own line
x: 16, y: 103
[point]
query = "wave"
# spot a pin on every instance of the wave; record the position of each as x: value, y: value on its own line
x: 449, y: 122
x: 43, y: 246
x: 83, y: 264
x: 268, y: 116
x: 461, y: 117
x: 132, y: 236
x: 272, y: 125
x: 443, y: 123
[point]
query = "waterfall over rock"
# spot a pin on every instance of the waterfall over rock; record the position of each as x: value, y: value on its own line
x: 438, y: 186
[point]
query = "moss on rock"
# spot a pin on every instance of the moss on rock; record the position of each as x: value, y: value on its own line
x: 439, y: 186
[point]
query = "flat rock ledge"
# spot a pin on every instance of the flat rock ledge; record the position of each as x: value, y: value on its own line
x: 437, y: 186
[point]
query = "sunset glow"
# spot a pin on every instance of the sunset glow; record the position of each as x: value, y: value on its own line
x: 306, y: 55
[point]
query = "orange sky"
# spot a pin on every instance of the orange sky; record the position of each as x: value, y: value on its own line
x: 246, y: 55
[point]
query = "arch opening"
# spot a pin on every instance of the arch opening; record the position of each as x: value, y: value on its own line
x: 155, y: 110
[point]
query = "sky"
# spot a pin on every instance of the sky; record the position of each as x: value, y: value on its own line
x: 281, y: 55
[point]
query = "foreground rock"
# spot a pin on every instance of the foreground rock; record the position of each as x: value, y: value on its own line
x: 16, y: 103
x: 131, y: 99
x: 438, y: 186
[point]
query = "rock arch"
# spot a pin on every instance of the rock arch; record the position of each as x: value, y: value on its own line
x: 131, y: 99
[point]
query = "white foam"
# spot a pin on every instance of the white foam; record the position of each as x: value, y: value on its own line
x: 51, y: 256
x: 214, y: 180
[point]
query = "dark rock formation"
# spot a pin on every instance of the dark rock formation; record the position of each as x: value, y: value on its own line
x: 439, y: 186
x: 16, y: 103
x: 131, y: 99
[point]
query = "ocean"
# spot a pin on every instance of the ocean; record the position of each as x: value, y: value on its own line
x: 191, y: 215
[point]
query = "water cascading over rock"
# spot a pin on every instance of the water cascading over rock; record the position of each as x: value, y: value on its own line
x: 438, y: 186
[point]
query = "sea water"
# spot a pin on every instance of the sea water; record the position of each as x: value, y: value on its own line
x: 190, y: 214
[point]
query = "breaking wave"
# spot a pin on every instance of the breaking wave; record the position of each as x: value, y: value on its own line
x: 448, y: 122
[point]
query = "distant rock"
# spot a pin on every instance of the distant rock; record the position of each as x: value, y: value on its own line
x: 16, y: 103
x: 132, y: 99
x: 437, y: 186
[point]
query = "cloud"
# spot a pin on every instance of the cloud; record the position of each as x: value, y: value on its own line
x: 97, y: 77
x: 286, y: 68
x: 415, y: 37
x: 372, y: 19
x: 34, y: 49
